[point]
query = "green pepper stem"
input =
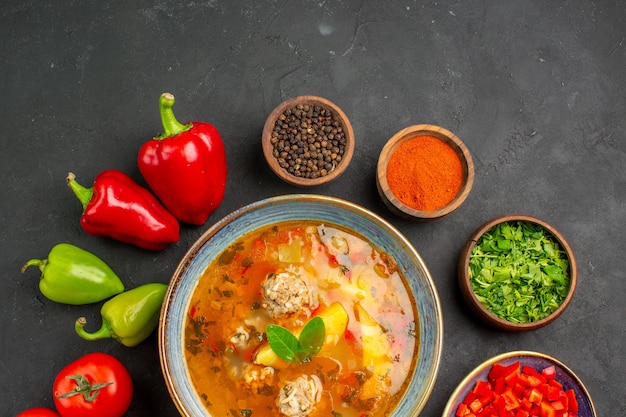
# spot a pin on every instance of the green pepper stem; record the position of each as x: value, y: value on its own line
x: 104, y: 332
x: 171, y: 126
x: 84, y: 194
x: 39, y: 263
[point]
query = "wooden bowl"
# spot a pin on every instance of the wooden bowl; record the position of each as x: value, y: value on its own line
x: 483, y: 312
x: 291, y: 166
x: 405, y: 135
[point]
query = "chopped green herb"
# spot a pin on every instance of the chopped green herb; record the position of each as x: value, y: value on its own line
x: 266, y: 390
x: 247, y: 262
x: 293, y: 349
x: 229, y: 254
x: 196, y: 332
x: 519, y: 271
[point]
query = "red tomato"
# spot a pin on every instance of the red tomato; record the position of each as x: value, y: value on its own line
x: 96, y: 385
x: 38, y: 412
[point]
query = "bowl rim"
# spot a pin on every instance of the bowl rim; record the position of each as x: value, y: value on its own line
x: 436, y: 321
x: 268, y: 147
x: 406, y: 134
x: 472, y: 300
x: 450, y: 410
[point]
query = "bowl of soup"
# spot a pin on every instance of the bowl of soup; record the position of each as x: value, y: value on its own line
x: 301, y: 305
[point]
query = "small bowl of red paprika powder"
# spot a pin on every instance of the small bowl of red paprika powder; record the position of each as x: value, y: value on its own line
x: 425, y: 172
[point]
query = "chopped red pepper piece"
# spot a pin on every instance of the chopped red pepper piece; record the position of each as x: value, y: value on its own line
x: 546, y: 409
x: 553, y: 393
x: 510, y: 399
x: 475, y: 405
x: 470, y: 397
x: 499, y: 386
x: 534, y: 396
x: 502, y: 371
x: 533, y: 377
x: 555, y: 383
x: 462, y: 410
x: 482, y: 388
x: 571, y: 400
x: 488, y: 411
x: 549, y: 372
x: 558, y: 405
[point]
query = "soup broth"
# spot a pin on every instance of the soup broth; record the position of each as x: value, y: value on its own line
x: 286, y: 274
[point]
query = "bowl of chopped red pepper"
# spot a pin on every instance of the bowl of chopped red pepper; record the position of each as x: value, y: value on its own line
x: 424, y: 173
x: 517, y: 273
x: 521, y: 384
x: 308, y: 141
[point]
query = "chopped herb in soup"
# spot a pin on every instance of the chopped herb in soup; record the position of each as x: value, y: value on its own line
x: 301, y: 319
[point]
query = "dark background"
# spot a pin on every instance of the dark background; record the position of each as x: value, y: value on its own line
x: 535, y: 89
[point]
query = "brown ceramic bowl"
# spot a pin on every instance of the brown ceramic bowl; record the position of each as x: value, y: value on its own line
x: 393, y: 202
x: 291, y: 167
x: 483, y: 312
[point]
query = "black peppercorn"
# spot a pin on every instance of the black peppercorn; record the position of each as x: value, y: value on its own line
x: 308, y: 141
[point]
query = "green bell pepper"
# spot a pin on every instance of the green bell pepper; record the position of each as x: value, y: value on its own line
x: 129, y: 317
x: 71, y: 275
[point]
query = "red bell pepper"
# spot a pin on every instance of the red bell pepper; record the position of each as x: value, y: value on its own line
x: 185, y: 166
x: 118, y: 207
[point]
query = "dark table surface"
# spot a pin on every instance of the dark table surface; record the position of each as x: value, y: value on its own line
x: 535, y: 89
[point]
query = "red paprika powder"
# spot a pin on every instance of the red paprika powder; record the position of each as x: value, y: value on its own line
x: 424, y: 173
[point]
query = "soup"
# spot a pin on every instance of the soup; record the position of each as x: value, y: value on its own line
x: 286, y: 277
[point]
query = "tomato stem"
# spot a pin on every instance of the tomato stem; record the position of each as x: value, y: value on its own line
x: 85, y: 388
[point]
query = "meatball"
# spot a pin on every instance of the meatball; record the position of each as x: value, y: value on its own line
x: 298, y: 398
x: 287, y: 293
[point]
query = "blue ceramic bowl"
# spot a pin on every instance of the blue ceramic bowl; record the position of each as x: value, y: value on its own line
x: 289, y: 208
x: 538, y: 361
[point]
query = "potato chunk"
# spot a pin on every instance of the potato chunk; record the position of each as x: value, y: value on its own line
x: 376, y: 348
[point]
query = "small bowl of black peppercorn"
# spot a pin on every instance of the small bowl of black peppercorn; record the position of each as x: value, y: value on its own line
x: 308, y: 141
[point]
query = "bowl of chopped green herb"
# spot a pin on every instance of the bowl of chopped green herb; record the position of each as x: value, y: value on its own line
x: 517, y: 273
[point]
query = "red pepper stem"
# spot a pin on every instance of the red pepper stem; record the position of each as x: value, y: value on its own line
x: 84, y: 194
x: 171, y: 126
x: 104, y: 332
